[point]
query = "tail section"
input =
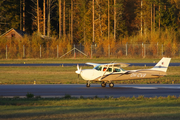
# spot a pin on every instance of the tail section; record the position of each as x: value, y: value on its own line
x: 162, y: 65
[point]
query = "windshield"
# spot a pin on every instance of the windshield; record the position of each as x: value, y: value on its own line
x: 98, y: 68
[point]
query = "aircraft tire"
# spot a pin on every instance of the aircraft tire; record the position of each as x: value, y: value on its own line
x: 87, y: 85
x: 111, y: 85
x: 103, y: 84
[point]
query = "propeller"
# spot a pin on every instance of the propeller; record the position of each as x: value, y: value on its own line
x: 78, y: 70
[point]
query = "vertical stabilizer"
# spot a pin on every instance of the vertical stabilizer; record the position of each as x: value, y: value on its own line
x: 162, y: 65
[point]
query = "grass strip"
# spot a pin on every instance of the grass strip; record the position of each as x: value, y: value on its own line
x: 135, y: 108
x: 67, y: 75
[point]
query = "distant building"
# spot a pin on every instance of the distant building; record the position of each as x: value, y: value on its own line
x: 14, y: 33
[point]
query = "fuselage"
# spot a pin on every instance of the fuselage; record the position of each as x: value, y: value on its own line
x: 116, y: 74
x: 105, y: 73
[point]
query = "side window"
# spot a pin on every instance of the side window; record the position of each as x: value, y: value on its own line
x: 117, y: 70
x: 104, y: 69
x: 109, y: 70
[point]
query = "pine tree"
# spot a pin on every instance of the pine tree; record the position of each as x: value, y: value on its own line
x: 168, y: 15
x: 121, y: 28
x: 9, y: 15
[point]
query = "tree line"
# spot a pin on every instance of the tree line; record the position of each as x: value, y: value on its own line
x: 94, y: 21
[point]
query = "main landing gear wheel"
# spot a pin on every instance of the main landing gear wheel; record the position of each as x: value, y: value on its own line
x: 103, y: 84
x: 111, y: 85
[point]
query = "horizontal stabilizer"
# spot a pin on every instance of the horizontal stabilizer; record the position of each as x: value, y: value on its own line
x: 158, y: 75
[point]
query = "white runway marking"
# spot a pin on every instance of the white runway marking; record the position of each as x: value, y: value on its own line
x: 145, y: 87
x: 152, y: 86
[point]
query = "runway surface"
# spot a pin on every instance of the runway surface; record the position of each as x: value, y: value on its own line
x: 82, y: 64
x: 77, y: 90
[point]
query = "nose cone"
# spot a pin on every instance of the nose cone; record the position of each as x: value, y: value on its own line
x: 77, y: 71
x: 87, y: 74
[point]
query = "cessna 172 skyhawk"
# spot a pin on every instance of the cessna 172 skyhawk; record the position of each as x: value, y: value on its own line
x: 107, y: 73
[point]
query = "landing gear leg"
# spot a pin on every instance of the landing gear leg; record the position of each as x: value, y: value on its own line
x: 88, y: 84
x: 103, y: 84
x: 111, y: 84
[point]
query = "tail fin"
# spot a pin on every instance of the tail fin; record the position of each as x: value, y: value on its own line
x: 162, y: 65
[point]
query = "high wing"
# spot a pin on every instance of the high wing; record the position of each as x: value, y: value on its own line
x: 109, y: 64
x: 93, y: 64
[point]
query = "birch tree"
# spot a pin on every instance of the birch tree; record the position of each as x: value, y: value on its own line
x: 64, y: 18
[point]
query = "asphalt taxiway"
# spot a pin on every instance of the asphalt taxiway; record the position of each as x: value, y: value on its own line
x: 77, y: 90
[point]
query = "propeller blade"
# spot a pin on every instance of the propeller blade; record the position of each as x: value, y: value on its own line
x: 77, y: 67
x: 80, y: 69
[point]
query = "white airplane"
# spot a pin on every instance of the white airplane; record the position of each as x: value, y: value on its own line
x: 107, y: 73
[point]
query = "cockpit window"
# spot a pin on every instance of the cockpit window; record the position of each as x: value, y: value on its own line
x: 108, y: 70
x: 98, y: 68
x: 104, y: 69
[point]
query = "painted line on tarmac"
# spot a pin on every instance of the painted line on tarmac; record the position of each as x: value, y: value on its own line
x: 145, y: 87
x: 169, y: 87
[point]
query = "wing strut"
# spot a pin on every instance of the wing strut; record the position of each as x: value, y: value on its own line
x: 104, y: 73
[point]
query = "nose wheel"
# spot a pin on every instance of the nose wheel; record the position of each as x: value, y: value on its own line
x: 111, y: 85
x: 88, y: 84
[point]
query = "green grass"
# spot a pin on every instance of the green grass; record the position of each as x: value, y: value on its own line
x: 67, y: 75
x: 42, y: 75
x: 162, y: 108
x: 84, y: 60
